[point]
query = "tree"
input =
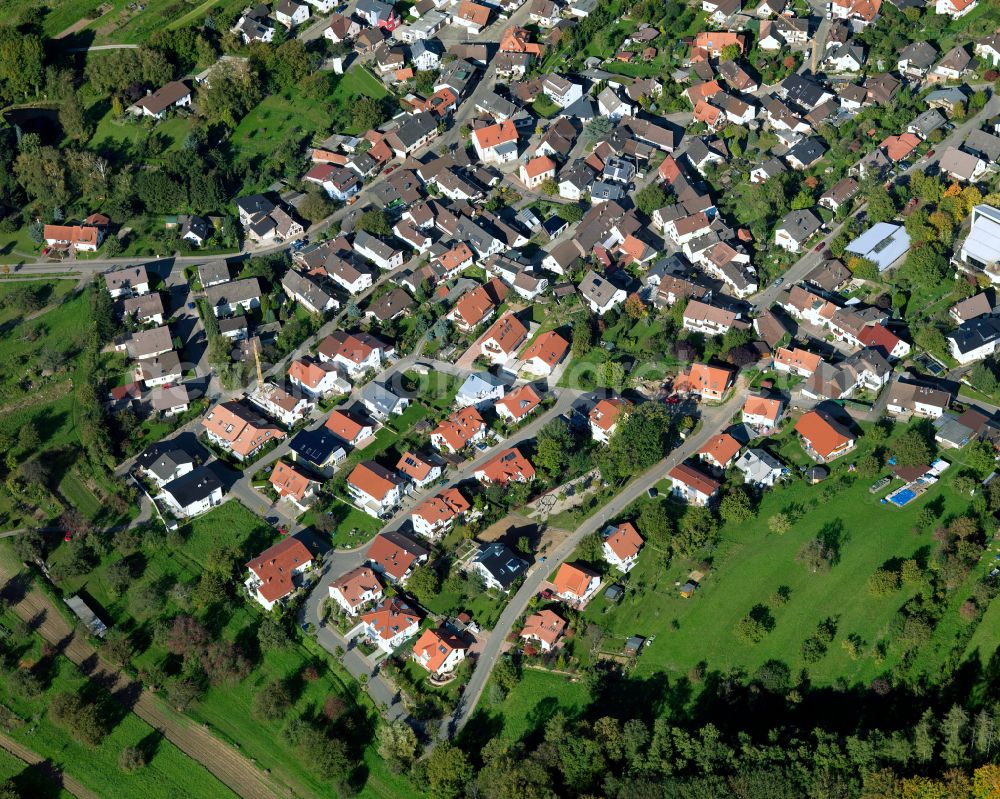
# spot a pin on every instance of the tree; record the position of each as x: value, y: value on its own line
x: 730, y: 53
x: 980, y: 457
x: 598, y: 128
x: 883, y: 582
x: 880, y: 205
x: 912, y: 449
x: 736, y: 506
x: 635, y: 308
x: 273, y: 702
x: 448, y: 771
x: 655, y: 524
x: 553, y: 446
x: 779, y: 523
x: 366, y: 113
x: 639, y: 440
x: 582, y: 338
x: 397, y: 745
x: 549, y: 187
x: 27, y: 438
x: 131, y: 758
x: 424, y: 583
x: 816, y: 555
x: 697, y: 530
x: 610, y: 374
x: 954, y: 736
x: 751, y: 629
x: 570, y: 212
x: 374, y: 221
x: 650, y: 198
x: 315, y: 205
x: 80, y: 718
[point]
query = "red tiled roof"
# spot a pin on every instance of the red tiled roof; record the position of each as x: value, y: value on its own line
x: 572, y: 579
x: 274, y: 567
x: 692, y: 478
x: 436, y: 646
x: 625, y: 541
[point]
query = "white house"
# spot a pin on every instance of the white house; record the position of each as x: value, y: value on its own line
x: 356, y: 589
x: 621, y: 546
x: 193, y: 493
x: 291, y: 13
x: 378, y: 252
x: 374, y: 489
x: 575, y: 584
x: 434, y: 517
x: 389, y: 624
x: 273, y: 572
x: 599, y: 294
x: 691, y: 485
x: 439, y: 651
x: 760, y: 468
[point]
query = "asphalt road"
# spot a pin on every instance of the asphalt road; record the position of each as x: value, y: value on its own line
x: 713, y: 420
x: 811, y: 259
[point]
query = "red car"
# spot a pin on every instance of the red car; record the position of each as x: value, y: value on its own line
x: 818, y: 247
x: 390, y: 170
x: 930, y: 154
x: 913, y: 201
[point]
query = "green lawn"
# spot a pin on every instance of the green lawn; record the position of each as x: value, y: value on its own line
x: 52, y: 292
x: 532, y: 702
x: 751, y: 563
x: 280, y: 118
x: 226, y: 709
x: 111, y: 134
x: 27, y: 780
x: 168, y: 774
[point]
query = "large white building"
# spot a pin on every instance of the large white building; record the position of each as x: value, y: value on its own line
x: 982, y: 246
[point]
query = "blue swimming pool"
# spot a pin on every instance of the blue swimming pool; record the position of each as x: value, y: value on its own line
x: 902, y: 497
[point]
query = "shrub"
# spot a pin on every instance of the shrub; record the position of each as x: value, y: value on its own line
x: 883, y: 582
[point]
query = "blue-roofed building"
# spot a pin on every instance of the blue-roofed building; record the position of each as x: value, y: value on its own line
x: 883, y: 244
x: 319, y: 449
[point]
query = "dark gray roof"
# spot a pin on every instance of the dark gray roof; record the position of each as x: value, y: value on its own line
x: 502, y: 563
x: 192, y: 487
x: 807, y: 151
x: 315, y: 446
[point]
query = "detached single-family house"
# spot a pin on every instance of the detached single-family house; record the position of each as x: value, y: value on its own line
x: 390, y: 624
x: 508, y: 466
x: 273, y: 573
x: 439, y: 651
x: 375, y: 490
x: 691, y: 485
x: 575, y: 584
x: 621, y: 546
x: 545, y: 627
x: 356, y: 589
x: 499, y: 566
x: 395, y: 555
x: 293, y: 484
x: 823, y: 437
x: 434, y: 517
x: 193, y: 492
